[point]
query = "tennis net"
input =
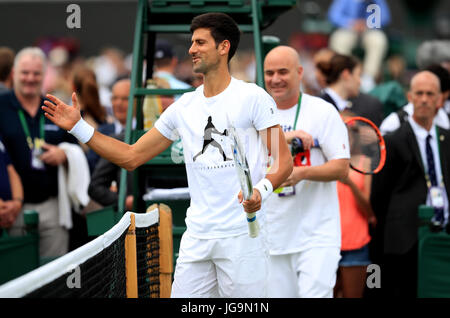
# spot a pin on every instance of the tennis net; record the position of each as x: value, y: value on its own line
x: 123, y: 262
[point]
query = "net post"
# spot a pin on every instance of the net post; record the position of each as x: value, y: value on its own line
x: 131, y: 259
x: 166, y: 250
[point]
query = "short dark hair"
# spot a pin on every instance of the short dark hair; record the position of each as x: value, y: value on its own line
x: 221, y: 26
x: 338, y: 63
x: 6, y: 62
x: 442, y: 74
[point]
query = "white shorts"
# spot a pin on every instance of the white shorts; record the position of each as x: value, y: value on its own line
x: 227, y: 267
x: 306, y: 274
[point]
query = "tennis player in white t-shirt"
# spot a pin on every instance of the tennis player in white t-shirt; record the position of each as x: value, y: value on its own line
x: 304, y: 223
x: 217, y: 258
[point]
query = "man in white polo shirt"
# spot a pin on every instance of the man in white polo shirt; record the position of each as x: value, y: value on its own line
x: 303, y: 219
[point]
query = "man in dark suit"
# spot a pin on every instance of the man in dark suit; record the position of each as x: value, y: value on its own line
x: 367, y: 106
x: 363, y: 105
x: 417, y: 165
x: 359, y: 103
x: 103, y: 176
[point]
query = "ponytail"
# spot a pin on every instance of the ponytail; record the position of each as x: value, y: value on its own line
x: 334, y: 68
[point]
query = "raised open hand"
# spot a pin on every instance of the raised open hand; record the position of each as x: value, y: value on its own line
x: 62, y: 115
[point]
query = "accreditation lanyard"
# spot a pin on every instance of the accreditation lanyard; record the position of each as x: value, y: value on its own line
x: 37, y: 141
x: 289, y: 191
x: 297, y: 112
x: 436, y: 192
x: 427, y: 177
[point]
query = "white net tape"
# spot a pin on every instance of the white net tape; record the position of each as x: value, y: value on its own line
x: 41, y: 276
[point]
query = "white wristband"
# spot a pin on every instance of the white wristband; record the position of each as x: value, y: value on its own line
x: 265, y: 188
x: 82, y: 131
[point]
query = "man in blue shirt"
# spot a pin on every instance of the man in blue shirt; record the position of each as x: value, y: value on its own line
x: 361, y: 21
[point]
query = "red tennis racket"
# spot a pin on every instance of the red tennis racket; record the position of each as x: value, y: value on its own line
x: 366, y: 142
x: 366, y: 145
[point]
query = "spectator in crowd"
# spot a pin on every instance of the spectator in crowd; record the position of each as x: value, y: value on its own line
x: 321, y: 57
x: 165, y: 64
x: 11, y: 190
x: 303, y: 229
x: 444, y: 77
x: 103, y: 188
x: 166, y: 100
x: 119, y: 100
x: 356, y: 22
x: 394, y: 120
x: 415, y: 173
x: 367, y: 106
x: 6, y: 65
x: 356, y: 214
x: 342, y: 75
x: 361, y: 104
x: 86, y: 88
x: 433, y: 52
x: 109, y: 67
x: 32, y: 143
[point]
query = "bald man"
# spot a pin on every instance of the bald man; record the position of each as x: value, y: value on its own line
x: 416, y: 172
x: 119, y: 101
x: 303, y: 217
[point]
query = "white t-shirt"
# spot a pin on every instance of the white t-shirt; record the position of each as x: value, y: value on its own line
x: 392, y: 122
x: 310, y: 218
x: 214, y: 210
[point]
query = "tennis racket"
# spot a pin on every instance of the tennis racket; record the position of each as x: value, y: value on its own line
x: 366, y: 142
x: 243, y: 172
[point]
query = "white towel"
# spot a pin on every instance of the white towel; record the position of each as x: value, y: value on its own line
x: 162, y: 194
x: 73, y: 183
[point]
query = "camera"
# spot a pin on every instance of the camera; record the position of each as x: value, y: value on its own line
x: 297, y: 146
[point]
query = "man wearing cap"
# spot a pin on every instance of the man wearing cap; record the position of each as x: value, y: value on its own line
x: 165, y: 64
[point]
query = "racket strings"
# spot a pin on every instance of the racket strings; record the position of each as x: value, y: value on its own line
x: 365, y: 149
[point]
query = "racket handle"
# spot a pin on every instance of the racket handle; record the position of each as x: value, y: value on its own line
x: 253, y: 225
